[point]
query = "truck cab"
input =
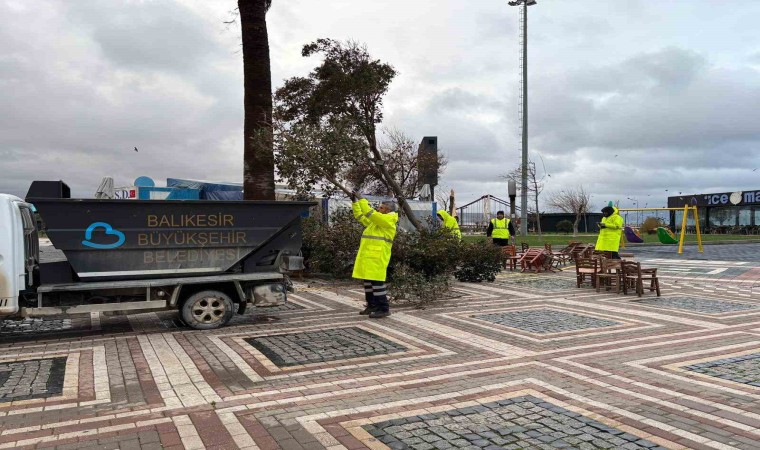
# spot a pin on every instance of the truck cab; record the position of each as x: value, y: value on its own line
x: 19, y: 252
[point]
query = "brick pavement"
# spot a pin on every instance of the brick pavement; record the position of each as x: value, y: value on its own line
x: 528, y: 361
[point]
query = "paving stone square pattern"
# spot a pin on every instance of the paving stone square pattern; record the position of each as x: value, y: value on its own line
x: 741, y: 369
x: 517, y: 423
x: 545, y: 321
x: 293, y: 349
x: 33, y: 325
x: 700, y: 305
x: 35, y: 378
x: 681, y: 378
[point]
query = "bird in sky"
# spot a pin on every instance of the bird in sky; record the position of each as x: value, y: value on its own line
x: 135, y: 148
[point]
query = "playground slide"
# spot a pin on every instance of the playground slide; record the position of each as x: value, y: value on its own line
x: 632, y: 235
x: 666, y: 236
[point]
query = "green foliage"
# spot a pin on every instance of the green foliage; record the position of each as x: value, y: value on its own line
x: 429, y: 252
x: 479, y: 261
x: 564, y: 226
x: 331, y: 248
x: 650, y: 225
x: 410, y: 286
x: 422, y: 263
x: 325, y: 122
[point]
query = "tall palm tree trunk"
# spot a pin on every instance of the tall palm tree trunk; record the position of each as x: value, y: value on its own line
x: 258, y: 156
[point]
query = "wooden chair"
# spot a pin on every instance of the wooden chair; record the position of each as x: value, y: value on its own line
x: 533, y: 257
x: 610, y: 275
x: 634, y: 277
x: 582, y: 251
x: 566, y: 254
x: 586, y: 268
x: 510, y: 256
x: 552, y: 260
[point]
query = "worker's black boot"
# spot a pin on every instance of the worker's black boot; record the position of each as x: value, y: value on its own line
x: 379, y: 314
x: 367, y: 311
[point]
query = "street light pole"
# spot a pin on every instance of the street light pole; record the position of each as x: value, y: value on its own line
x: 524, y: 105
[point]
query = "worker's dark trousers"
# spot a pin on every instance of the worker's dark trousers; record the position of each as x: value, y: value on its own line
x: 376, y: 295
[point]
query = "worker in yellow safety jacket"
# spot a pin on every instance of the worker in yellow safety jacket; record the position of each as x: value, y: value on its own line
x: 500, y: 229
x: 450, y: 223
x: 371, y: 263
x: 610, y: 231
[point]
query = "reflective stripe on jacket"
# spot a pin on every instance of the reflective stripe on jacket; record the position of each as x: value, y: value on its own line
x: 377, y: 240
x: 450, y: 223
x: 500, y: 228
x: 609, y: 236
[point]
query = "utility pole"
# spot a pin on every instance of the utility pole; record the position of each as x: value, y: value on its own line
x: 524, y: 112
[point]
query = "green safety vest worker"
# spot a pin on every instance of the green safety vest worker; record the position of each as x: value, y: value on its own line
x: 450, y: 223
x: 610, y: 233
x: 500, y: 228
x: 377, y: 240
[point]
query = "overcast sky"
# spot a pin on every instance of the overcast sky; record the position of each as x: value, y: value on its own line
x: 629, y: 98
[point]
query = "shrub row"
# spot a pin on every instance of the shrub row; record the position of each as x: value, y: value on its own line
x: 421, y: 266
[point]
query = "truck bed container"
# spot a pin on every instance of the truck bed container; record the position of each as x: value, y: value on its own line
x: 118, y: 239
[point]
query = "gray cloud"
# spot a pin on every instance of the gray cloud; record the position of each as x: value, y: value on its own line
x: 671, y: 88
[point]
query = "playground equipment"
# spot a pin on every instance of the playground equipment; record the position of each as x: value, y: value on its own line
x: 666, y: 236
x: 632, y: 235
x: 686, y: 209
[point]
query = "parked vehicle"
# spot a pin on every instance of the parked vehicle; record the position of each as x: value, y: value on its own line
x: 208, y: 259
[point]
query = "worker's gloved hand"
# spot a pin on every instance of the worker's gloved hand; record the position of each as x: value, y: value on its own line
x: 601, y: 225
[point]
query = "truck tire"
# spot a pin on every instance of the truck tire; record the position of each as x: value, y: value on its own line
x: 207, y: 310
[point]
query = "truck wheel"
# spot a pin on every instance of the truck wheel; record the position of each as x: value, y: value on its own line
x: 206, y: 310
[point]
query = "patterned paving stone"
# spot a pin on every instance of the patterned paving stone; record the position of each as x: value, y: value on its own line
x: 517, y: 423
x: 719, y: 252
x: 35, y: 378
x: 701, y: 305
x: 289, y: 306
x: 321, y: 346
x: 546, y: 321
x: 542, y: 283
x: 741, y: 369
x: 33, y: 325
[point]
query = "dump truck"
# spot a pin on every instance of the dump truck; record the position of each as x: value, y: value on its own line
x: 207, y: 259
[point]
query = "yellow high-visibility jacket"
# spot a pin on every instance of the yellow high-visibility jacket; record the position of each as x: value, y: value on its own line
x: 450, y: 223
x: 377, y: 240
x: 500, y: 228
x: 609, y: 236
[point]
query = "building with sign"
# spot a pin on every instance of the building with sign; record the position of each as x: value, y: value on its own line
x: 723, y: 212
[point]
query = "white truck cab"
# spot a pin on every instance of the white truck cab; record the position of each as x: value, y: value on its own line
x: 19, y: 251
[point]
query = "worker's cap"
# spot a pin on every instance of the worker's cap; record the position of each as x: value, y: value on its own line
x: 391, y: 205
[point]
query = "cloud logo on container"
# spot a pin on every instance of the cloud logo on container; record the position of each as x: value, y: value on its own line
x: 109, y: 230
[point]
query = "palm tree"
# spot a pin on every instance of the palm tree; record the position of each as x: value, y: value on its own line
x: 258, y: 156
